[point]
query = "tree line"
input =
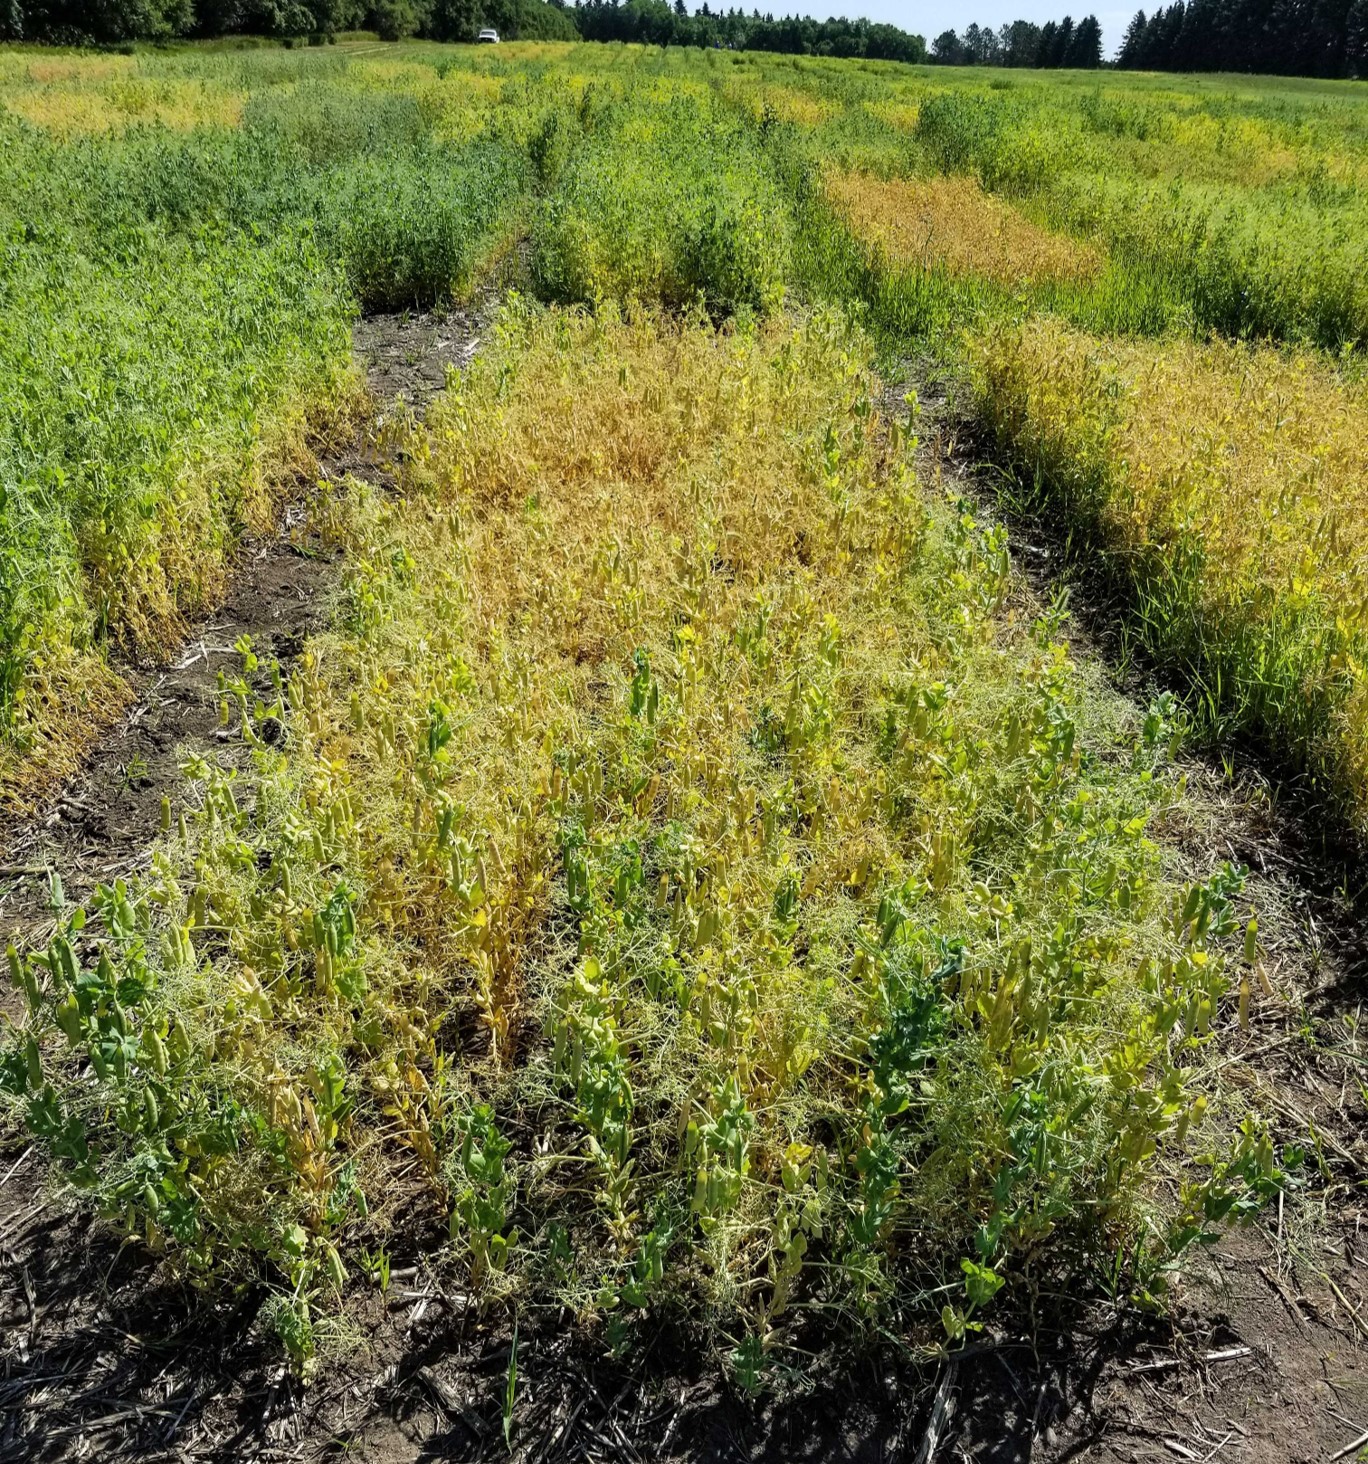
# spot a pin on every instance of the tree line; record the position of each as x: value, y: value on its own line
x: 1023, y: 43
x: 113, y: 22
x: 652, y: 22
x: 656, y: 23
x: 1288, y: 37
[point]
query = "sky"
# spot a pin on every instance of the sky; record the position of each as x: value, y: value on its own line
x: 930, y: 17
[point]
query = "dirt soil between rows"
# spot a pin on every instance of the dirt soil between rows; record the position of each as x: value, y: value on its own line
x: 1259, y: 1358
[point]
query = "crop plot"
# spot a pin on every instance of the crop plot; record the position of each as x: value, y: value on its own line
x: 682, y: 888
x: 952, y: 224
x: 1230, y: 480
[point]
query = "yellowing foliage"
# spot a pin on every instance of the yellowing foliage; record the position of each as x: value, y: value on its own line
x: 1264, y: 455
x: 70, y: 105
x: 70, y: 700
x: 86, y: 69
x: 683, y: 856
x: 1244, y: 469
x: 459, y: 105
x: 677, y: 788
x: 952, y: 223
x: 901, y: 114
x: 790, y: 104
x: 393, y: 75
x: 1255, y: 150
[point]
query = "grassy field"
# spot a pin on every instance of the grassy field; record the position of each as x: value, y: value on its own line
x: 694, y: 870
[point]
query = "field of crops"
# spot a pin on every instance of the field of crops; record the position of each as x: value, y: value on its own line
x: 692, y: 875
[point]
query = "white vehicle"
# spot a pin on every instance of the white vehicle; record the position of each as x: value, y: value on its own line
x: 488, y: 37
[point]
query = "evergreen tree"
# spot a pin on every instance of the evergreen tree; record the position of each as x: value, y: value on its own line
x: 1063, y: 38
x: 1045, y: 46
x: 1289, y: 37
x: 946, y: 49
x: 1085, y: 49
x: 1356, y: 40
x: 1019, y: 43
x: 1154, y: 41
x: 1190, y: 45
x: 1132, y: 47
x: 1171, y: 34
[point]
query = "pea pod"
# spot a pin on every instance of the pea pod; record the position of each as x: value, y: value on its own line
x: 23, y: 976
x: 33, y: 1064
x: 62, y: 962
x: 68, y: 1016
x: 155, y: 1049
x: 178, y: 1039
x: 332, y: 1262
x: 1251, y: 941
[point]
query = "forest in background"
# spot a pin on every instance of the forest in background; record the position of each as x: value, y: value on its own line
x: 1277, y: 37
x: 650, y: 22
x: 1325, y: 38
x: 1023, y: 43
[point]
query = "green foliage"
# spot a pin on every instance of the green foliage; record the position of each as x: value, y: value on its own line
x: 686, y: 211
x: 1228, y: 213
x: 483, y: 1191
x: 411, y: 230
x: 176, y: 311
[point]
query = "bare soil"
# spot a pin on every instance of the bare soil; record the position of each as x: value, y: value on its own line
x: 406, y: 357
x: 97, y: 829
x: 1258, y: 1358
